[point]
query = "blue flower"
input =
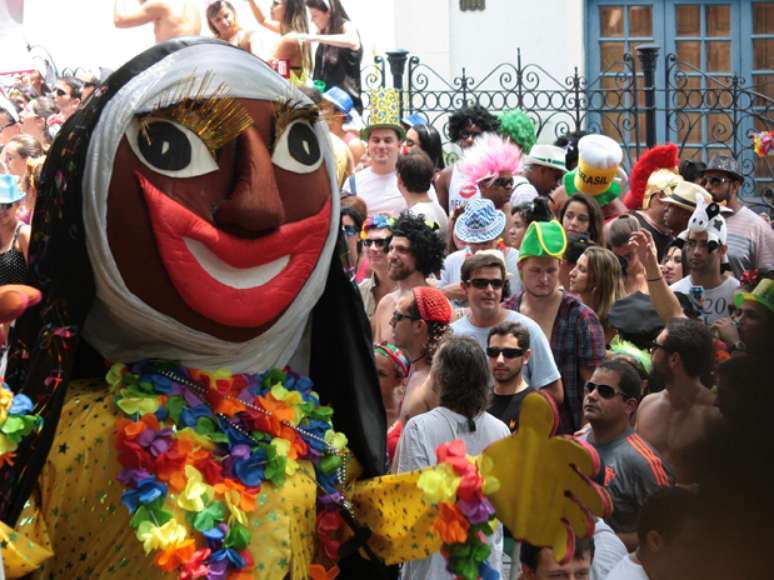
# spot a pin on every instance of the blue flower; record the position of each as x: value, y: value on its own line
x: 215, y: 534
x: 21, y: 405
x: 486, y: 572
x: 234, y: 436
x: 190, y: 415
x: 233, y: 557
x: 147, y: 491
x: 250, y: 470
x: 319, y: 428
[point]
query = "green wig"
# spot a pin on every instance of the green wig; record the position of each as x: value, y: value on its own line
x: 517, y: 126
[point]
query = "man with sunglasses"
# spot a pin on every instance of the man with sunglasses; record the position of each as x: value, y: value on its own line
x: 633, y: 468
x: 679, y: 420
x: 483, y: 279
x: 508, y: 352
x: 376, y: 235
x: 750, y: 238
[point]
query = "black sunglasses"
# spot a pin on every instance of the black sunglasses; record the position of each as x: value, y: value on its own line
x: 61, y: 92
x: 494, y: 352
x: 383, y: 244
x: 482, y: 283
x: 398, y: 316
x: 605, y: 391
x: 349, y: 231
x: 714, y: 180
x: 504, y: 182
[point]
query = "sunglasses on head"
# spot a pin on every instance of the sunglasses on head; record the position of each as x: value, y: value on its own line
x: 605, y: 391
x: 398, y: 316
x: 60, y: 92
x: 481, y: 283
x: 383, y: 244
x: 494, y: 352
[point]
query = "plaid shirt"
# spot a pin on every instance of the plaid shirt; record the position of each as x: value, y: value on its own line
x: 577, y: 341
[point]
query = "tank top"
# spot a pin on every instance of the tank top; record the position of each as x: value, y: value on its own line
x: 460, y: 192
x: 13, y: 266
x: 340, y: 67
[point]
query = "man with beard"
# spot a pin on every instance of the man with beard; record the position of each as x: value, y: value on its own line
x: 678, y: 420
x: 680, y: 202
x: 420, y: 324
x: 633, y: 469
x: 508, y: 352
x: 750, y: 238
x: 415, y: 252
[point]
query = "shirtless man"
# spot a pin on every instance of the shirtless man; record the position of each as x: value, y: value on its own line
x: 420, y: 323
x: 415, y: 253
x: 170, y: 18
x: 678, y: 420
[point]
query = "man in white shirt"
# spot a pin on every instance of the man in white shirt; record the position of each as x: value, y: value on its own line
x: 542, y: 172
x: 378, y: 184
x: 705, y: 248
x: 415, y: 177
x: 483, y: 277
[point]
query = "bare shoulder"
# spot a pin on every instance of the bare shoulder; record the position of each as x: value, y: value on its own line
x: 652, y: 400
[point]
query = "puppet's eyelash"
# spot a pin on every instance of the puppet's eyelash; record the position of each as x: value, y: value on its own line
x: 287, y: 111
x: 216, y: 119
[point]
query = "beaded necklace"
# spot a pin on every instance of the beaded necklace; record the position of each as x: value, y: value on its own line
x: 205, y: 443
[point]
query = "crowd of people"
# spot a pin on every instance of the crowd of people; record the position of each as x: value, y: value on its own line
x: 640, y: 305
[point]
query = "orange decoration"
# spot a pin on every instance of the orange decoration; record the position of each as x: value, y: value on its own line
x: 451, y: 525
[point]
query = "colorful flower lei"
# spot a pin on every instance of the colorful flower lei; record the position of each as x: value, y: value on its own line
x: 16, y: 422
x: 763, y: 143
x: 207, y: 442
x: 458, y: 485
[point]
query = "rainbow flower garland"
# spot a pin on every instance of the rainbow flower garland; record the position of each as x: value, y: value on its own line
x: 458, y: 485
x: 16, y: 422
x: 212, y: 440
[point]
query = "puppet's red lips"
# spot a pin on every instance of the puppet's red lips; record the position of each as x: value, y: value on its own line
x: 233, y: 281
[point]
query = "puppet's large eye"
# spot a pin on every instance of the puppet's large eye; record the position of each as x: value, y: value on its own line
x: 169, y: 148
x: 298, y: 149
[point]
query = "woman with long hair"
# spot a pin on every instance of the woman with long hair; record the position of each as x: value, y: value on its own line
x: 597, y: 280
x: 22, y: 156
x: 426, y: 138
x: 288, y: 19
x: 672, y: 264
x: 581, y: 214
x: 339, y: 51
x: 222, y: 21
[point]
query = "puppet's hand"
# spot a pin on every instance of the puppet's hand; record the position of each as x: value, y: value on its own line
x: 545, y: 495
x: 15, y: 299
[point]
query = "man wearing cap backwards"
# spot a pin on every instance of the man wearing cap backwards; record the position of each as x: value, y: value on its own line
x: 753, y: 330
x: 378, y: 183
x: 750, y: 238
x: 170, y: 18
x: 465, y: 126
x: 415, y: 252
x: 420, y: 324
x: 483, y: 279
x: 480, y: 227
x: 705, y: 247
x: 633, y: 469
x: 597, y: 173
x: 678, y: 420
x: 680, y: 203
x: 576, y: 336
x: 541, y: 173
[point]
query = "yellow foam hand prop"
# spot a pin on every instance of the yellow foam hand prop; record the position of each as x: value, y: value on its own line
x: 546, y: 496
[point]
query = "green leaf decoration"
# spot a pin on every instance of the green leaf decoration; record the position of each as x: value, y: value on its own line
x: 238, y: 537
x: 209, y: 517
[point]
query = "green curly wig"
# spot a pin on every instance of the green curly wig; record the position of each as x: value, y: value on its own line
x: 519, y: 128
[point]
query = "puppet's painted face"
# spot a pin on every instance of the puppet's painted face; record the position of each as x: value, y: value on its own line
x: 221, y: 236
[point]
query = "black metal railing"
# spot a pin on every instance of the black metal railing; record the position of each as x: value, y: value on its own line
x: 704, y: 114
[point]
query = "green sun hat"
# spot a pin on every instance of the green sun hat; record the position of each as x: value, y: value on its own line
x: 763, y: 295
x: 543, y: 240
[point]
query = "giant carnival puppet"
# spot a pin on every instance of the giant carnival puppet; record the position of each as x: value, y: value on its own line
x: 195, y: 394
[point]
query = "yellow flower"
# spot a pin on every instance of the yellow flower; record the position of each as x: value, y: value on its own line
x: 115, y: 375
x: 337, y: 440
x: 485, y: 466
x: 233, y: 500
x: 6, y: 400
x: 281, y: 446
x: 138, y: 405
x: 6, y: 445
x: 162, y: 537
x: 192, y: 497
x: 439, y: 484
x: 291, y: 466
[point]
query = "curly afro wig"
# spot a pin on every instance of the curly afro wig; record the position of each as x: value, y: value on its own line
x: 427, y: 246
x: 472, y: 115
x: 519, y: 128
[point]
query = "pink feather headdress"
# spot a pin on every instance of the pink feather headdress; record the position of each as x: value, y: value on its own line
x: 488, y: 156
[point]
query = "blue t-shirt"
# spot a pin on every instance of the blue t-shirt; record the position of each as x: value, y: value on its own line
x: 540, y: 369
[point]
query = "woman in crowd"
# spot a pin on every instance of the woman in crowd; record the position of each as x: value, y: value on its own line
x: 576, y: 245
x: 618, y: 236
x: 426, y: 138
x: 337, y: 106
x: 375, y: 237
x: 288, y: 19
x: 597, y: 280
x: 34, y: 120
x: 581, y: 214
x: 222, y: 21
x: 20, y: 155
x: 351, y: 223
x: 393, y: 367
x: 14, y: 234
x: 524, y: 214
x: 672, y: 264
x: 339, y: 51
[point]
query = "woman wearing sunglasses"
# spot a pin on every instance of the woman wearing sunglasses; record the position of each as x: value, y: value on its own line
x: 375, y: 237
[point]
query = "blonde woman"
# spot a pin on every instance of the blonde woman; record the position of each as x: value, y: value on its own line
x: 597, y: 280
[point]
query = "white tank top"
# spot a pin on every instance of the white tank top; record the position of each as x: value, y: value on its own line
x: 459, y: 191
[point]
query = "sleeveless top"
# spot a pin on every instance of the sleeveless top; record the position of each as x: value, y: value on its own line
x: 340, y: 67
x: 13, y: 266
x: 460, y: 192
